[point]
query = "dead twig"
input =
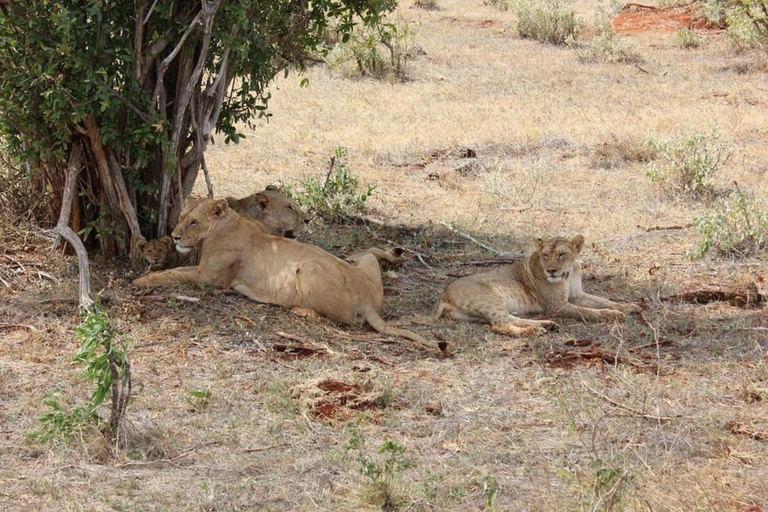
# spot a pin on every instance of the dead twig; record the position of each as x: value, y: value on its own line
x: 741, y: 429
x: 19, y: 326
x: 470, y: 238
x: 667, y: 228
x: 264, y: 448
x: 634, y: 412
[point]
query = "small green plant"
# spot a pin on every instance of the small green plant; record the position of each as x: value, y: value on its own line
x: 381, y: 470
x: 199, y: 398
x: 337, y: 196
x: 688, y: 39
x: 547, y: 21
x: 427, y: 5
x: 689, y: 164
x: 106, y: 365
x: 746, y: 21
x: 381, y: 51
x: 502, y: 5
x: 607, y: 46
x: 736, y: 226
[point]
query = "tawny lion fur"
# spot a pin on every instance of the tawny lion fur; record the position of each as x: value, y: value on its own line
x: 236, y: 252
x: 548, y: 282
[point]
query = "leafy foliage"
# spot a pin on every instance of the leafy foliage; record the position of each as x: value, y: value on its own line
x: 746, y: 20
x: 736, y: 226
x: 338, y: 195
x: 607, y: 46
x: 105, y: 364
x: 381, y: 470
x: 364, y: 53
x: 144, y: 86
x: 546, y: 21
x: 688, y: 165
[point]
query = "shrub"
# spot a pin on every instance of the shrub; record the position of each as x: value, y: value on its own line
x: 746, y: 20
x: 688, y: 165
x: 688, y: 39
x: 502, y: 5
x: 381, y: 470
x: 736, y: 226
x: 106, y: 364
x: 607, y: 46
x: 381, y: 51
x: 428, y: 5
x: 337, y: 196
x: 546, y: 21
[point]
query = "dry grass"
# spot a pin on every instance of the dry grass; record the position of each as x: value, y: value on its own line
x: 504, y: 423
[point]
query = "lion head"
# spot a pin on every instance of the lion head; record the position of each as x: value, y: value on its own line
x: 157, y: 253
x: 557, y: 256
x: 197, y: 220
x: 281, y: 215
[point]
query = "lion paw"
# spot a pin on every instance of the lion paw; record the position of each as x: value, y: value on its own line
x: 141, y: 281
x: 612, y: 314
x: 632, y: 308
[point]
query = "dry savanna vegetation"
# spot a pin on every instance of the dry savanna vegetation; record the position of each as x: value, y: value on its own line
x: 649, y: 141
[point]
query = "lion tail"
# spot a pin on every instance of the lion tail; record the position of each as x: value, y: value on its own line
x: 378, y: 323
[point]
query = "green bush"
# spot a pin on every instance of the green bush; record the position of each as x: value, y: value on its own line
x: 546, y: 21
x: 746, y: 21
x: 607, y: 46
x: 687, y: 38
x: 736, y: 226
x: 337, y: 196
x: 688, y: 165
x: 502, y: 5
x: 380, y: 51
x: 381, y: 469
x: 105, y: 364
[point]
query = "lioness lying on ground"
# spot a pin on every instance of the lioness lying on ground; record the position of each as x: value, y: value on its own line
x: 281, y: 215
x: 236, y: 252
x: 548, y: 282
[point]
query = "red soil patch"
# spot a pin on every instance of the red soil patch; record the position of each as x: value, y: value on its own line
x: 342, y: 401
x: 635, y: 19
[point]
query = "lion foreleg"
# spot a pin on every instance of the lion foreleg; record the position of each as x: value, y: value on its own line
x: 593, y: 301
x: 168, y: 277
x: 587, y: 314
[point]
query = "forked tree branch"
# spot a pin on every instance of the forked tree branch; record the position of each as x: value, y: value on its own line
x: 62, y: 228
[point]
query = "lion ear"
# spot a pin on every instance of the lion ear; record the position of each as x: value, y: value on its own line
x: 262, y: 201
x: 218, y: 208
x: 168, y: 241
x: 538, y: 243
x: 273, y: 188
x: 577, y: 243
x: 141, y: 244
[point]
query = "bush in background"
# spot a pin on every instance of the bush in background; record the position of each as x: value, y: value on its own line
x: 380, y: 51
x: 736, y: 226
x: 337, y: 196
x: 687, y: 165
x: 607, y: 46
x: 547, y: 21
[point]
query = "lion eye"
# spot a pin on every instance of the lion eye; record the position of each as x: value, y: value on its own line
x: 193, y: 223
x: 561, y: 255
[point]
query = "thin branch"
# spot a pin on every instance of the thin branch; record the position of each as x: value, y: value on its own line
x: 634, y: 412
x: 471, y: 238
x: 207, y: 177
x: 62, y: 227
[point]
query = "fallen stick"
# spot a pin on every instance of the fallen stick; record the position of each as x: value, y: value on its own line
x: 627, y: 408
x: 741, y: 429
x: 748, y: 297
x: 470, y: 238
x: 18, y: 326
x: 667, y: 228
x: 503, y: 257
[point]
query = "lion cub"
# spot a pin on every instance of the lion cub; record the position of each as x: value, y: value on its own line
x: 159, y: 254
x: 548, y: 282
